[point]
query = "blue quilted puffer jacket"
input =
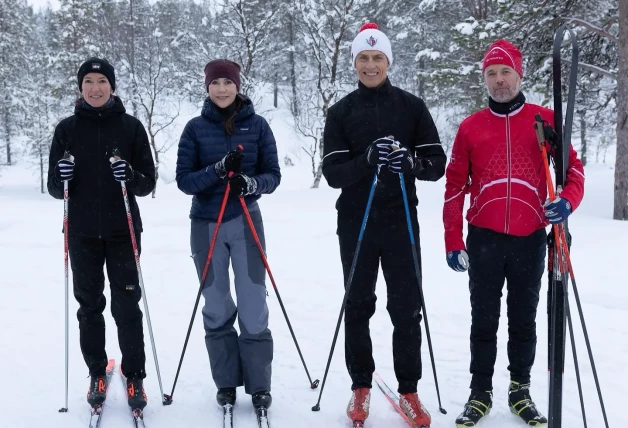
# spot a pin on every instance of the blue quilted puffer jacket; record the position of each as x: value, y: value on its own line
x: 205, y: 142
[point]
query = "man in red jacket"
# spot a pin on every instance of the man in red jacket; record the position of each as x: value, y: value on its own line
x: 496, y: 158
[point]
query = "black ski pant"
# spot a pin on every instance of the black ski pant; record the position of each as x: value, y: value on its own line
x: 386, y: 240
x: 88, y: 256
x: 493, y: 259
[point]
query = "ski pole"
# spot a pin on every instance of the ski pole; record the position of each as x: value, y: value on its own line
x: 313, y: 384
x: 417, y: 271
x: 116, y: 155
x: 562, y: 247
x: 563, y: 242
x: 317, y: 406
x: 66, y: 198
x: 168, y: 398
x: 575, y: 361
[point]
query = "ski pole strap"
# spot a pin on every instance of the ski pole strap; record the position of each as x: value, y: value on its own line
x: 540, y: 131
x: 545, y: 132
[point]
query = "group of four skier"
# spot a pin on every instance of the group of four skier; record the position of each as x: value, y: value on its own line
x: 376, y: 130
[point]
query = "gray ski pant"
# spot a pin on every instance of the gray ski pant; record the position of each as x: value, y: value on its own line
x: 243, y: 359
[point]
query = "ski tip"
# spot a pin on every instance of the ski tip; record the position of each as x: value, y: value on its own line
x: 63, y: 410
x: 358, y: 424
x: 167, y: 400
x: 314, y: 384
x: 316, y: 408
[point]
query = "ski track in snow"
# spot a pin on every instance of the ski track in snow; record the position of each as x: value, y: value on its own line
x: 303, y: 254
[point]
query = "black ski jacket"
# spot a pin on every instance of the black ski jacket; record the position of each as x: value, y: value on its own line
x: 358, y: 119
x: 96, y: 205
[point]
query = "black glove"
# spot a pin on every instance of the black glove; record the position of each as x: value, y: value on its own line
x: 64, y: 170
x: 122, y: 170
x: 242, y: 185
x: 232, y: 162
x: 378, y: 150
x: 401, y: 161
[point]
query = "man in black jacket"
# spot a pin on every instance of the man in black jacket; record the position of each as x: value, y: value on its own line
x: 97, y: 223
x: 384, y: 113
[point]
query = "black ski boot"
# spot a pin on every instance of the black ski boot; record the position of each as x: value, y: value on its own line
x: 478, y: 406
x: 135, y: 393
x: 226, y: 396
x: 521, y: 404
x: 262, y: 399
x: 97, y: 391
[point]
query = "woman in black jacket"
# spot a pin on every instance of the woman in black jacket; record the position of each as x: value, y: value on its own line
x: 97, y: 224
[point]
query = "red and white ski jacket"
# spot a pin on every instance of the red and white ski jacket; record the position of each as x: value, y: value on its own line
x: 497, y: 159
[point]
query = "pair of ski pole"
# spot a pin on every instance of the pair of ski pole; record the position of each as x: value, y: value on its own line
x: 127, y: 206
x: 354, y: 262
x: 167, y: 399
x: 560, y: 254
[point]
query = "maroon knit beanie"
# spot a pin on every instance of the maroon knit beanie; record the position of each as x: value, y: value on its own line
x: 222, y: 68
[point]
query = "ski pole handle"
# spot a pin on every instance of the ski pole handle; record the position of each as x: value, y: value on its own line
x: 240, y: 149
x: 540, y: 132
x: 116, y: 156
x: 68, y: 156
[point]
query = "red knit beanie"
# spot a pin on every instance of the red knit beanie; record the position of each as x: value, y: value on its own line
x: 503, y: 52
x: 222, y: 68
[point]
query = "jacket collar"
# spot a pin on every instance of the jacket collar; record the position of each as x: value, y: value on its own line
x: 210, y: 110
x: 511, y: 107
x: 81, y: 109
x: 367, y: 92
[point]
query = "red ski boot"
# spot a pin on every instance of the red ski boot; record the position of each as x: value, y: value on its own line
x: 412, y: 407
x: 358, y: 408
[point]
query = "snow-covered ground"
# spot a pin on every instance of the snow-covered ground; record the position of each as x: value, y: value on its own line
x: 300, y: 226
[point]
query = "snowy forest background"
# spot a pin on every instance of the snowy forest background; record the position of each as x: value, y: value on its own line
x: 297, y: 54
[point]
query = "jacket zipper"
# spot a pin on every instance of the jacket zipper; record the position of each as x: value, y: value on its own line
x: 100, y: 178
x: 228, y: 207
x: 509, y: 169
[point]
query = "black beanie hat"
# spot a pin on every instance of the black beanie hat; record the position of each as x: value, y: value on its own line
x: 97, y: 65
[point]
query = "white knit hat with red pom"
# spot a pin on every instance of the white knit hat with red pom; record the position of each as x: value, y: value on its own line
x: 371, y: 39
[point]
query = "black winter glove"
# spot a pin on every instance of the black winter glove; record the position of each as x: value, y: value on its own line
x: 401, y: 161
x: 232, y: 162
x: 64, y: 170
x: 242, y: 185
x: 122, y: 170
x: 378, y: 150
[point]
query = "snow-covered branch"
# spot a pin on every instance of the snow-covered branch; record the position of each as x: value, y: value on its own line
x: 601, y: 31
x: 594, y: 68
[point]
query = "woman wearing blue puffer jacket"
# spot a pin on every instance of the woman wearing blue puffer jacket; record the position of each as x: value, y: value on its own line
x: 206, y: 156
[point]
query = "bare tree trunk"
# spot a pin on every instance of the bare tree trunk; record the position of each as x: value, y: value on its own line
x: 583, y: 139
x: 293, y: 75
x: 319, y: 175
x: 152, y: 143
x: 7, y: 129
x: 41, y: 169
x: 319, y: 169
x: 275, y: 91
x: 620, y: 211
x: 421, y: 79
x: 133, y: 85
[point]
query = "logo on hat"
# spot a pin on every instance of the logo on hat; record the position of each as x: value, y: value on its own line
x: 371, y: 41
x: 95, y: 66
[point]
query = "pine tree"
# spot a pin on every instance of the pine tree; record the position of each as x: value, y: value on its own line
x: 14, y: 28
